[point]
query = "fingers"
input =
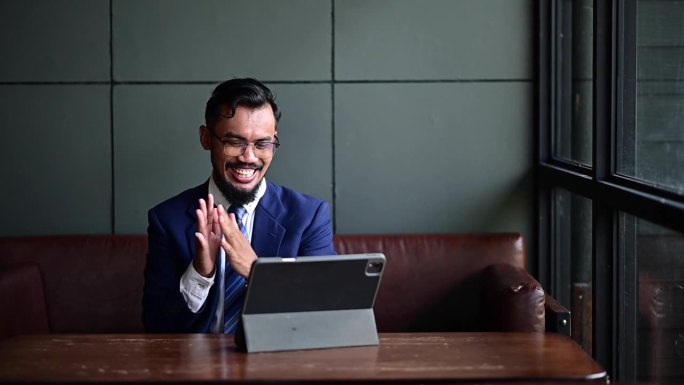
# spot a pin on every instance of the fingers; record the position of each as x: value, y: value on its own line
x: 201, y: 221
x: 210, y: 208
x: 239, y: 261
x: 201, y: 240
x: 215, y: 227
x: 208, y: 218
x: 227, y: 222
x: 203, y: 207
x: 202, y: 261
x: 227, y: 247
x: 206, y: 213
x: 230, y: 252
x: 208, y: 237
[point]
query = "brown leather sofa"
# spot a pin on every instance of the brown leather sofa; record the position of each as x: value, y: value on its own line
x: 432, y: 282
x: 22, y: 301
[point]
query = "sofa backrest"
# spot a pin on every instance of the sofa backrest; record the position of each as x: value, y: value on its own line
x: 432, y: 282
x: 93, y: 283
x: 22, y: 301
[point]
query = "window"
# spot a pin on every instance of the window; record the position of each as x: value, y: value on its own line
x: 572, y: 141
x: 659, y: 298
x: 572, y: 249
x: 610, y: 179
x: 652, y: 142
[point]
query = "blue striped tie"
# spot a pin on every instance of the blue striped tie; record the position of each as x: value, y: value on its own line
x: 235, y: 283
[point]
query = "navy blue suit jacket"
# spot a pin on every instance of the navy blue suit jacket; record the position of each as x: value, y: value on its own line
x: 286, y: 224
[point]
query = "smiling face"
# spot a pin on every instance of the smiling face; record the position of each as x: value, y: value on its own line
x: 238, y: 177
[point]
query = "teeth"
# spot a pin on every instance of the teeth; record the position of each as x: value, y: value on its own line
x: 245, y: 172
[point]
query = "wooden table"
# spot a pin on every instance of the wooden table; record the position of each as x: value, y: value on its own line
x: 418, y: 357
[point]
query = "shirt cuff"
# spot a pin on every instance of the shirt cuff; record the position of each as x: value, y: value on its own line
x: 195, y: 288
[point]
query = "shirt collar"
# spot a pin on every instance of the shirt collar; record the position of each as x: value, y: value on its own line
x: 219, y: 199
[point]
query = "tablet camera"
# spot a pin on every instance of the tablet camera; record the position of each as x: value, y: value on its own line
x: 374, y: 268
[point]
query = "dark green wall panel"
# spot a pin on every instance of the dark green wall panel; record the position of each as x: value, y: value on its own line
x: 54, y: 40
x: 439, y: 39
x: 433, y: 157
x: 56, y: 160
x: 177, y: 40
x: 157, y: 153
x: 304, y: 160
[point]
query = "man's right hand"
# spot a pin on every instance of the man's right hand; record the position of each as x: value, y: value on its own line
x: 208, y: 238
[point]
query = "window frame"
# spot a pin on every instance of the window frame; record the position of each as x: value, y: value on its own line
x: 614, y: 95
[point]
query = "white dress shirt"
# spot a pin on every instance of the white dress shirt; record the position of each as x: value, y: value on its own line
x: 193, y: 286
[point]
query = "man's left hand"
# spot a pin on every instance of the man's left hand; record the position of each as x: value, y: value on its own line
x: 238, y: 250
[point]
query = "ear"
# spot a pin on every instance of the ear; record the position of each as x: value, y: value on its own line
x: 205, y: 137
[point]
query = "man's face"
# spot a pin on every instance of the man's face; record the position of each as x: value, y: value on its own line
x: 239, y: 176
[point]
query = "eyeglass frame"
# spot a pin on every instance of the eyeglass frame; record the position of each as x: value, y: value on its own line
x: 244, y: 144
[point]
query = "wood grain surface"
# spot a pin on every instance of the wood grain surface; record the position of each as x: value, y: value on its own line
x: 187, y: 358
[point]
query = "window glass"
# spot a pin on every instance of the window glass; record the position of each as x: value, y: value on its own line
x: 652, y: 148
x: 573, y: 133
x: 572, y: 246
x: 659, y: 256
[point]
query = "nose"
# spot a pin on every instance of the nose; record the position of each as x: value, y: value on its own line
x: 248, y: 156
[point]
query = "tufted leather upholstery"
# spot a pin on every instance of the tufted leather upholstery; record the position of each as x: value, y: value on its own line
x: 432, y: 282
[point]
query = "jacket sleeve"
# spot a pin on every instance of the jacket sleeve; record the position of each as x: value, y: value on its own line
x: 317, y: 238
x: 164, y: 308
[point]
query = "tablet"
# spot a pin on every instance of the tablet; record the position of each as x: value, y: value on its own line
x: 312, y: 302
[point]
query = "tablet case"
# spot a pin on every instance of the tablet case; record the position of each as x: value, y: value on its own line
x: 311, y: 302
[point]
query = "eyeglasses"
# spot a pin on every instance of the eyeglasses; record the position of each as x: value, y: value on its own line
x: 237, y: 147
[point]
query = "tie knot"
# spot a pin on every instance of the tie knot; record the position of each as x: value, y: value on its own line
x: 238, y: 211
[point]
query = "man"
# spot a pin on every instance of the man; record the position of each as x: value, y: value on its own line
x: 199, y: 250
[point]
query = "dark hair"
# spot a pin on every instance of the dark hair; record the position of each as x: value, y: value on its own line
x: 233, y: 93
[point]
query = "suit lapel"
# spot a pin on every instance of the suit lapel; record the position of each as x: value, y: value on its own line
x: 268, y: 233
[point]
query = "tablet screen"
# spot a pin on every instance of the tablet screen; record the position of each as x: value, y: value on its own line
x: 340, y: 282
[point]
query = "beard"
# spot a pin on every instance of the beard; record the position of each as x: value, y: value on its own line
x: 233, y: 194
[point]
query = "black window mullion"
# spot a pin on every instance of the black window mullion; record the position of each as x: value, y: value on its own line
x: 604, y: 250
x: 604, y: 85
x: 605, y: 304
x: 626, y: 196
x: 551, y: 175
x: 563, y: 37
